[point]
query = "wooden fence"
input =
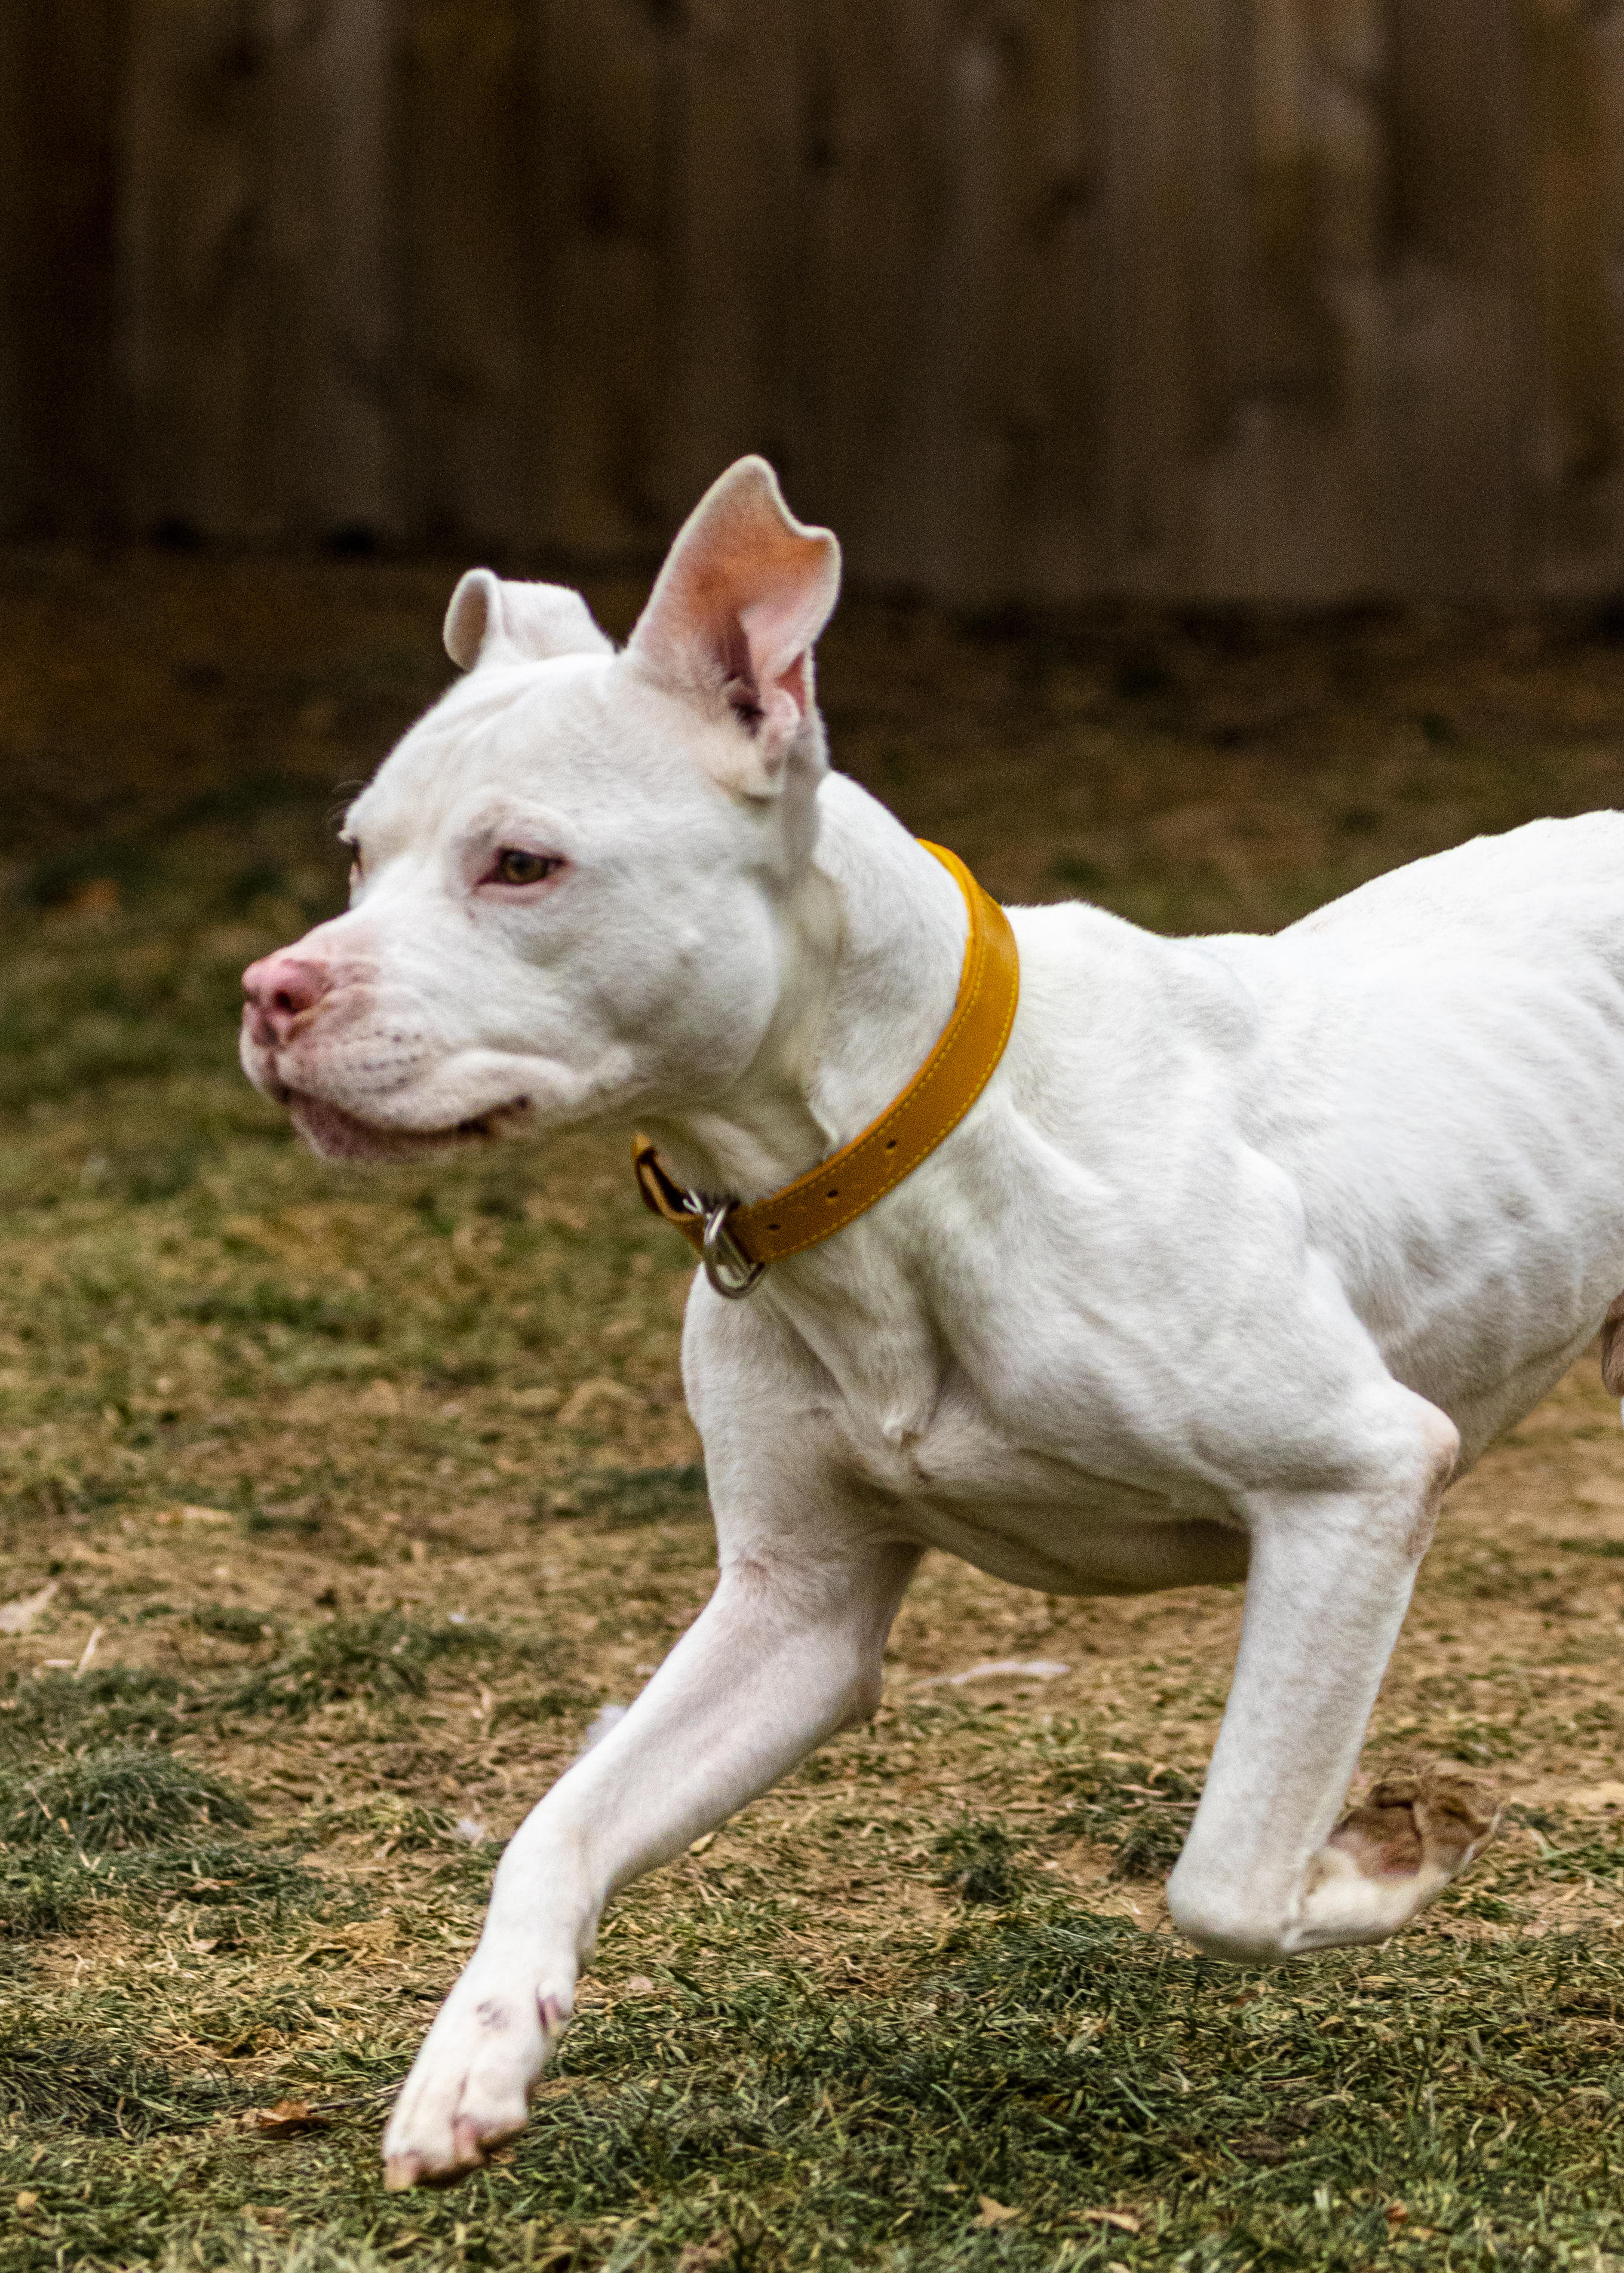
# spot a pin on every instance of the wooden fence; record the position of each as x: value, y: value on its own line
x: 1294, y: 301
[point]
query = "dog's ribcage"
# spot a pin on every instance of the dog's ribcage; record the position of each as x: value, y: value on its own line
x: 1447, y: 1088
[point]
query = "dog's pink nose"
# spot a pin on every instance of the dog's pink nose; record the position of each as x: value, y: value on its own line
x: 281, y: 987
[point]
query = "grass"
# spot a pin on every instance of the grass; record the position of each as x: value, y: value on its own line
x: 95, y: 2091
x: 624, y: 1499
x: 979, y: 1863
x: 97, y: 1706
x: 380, y: 1656
x: 116, y: 1799
x: 1141, y: 1812
x: 361, y: 1496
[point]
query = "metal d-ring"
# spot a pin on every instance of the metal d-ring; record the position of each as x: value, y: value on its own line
x: 723, y: 1256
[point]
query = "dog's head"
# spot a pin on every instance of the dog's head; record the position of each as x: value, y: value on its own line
x: 570, y: 876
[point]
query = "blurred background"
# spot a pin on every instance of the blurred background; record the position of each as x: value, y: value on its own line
x: 1292, y: 301
x: 1219, y: 403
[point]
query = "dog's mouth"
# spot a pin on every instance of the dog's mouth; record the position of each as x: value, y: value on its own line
x: 340, y: 1135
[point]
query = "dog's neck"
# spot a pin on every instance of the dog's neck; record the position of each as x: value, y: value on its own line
x: 872, y: 941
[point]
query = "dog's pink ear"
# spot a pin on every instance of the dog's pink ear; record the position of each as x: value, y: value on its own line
x: 745, y: 591
x: 491, y: 622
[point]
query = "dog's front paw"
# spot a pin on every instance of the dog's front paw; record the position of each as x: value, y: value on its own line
x: 470, y: 2087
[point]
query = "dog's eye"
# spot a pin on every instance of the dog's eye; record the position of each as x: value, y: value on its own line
x: 513, y: 866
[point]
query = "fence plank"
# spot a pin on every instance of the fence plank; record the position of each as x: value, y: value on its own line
x: 1169, y: 286
x: 1463, y: 394
x: 327, y: 463
x: 1025, y: 119
x: 191, y: 216
x: 1290, y: 491
x: 946, y: 399
x: 59, y: 440
x: 1281, y: 300
x: 257, y: 266
x: 473, y: 270
x: 20, y: 487
x: 1575, y: 460
x: 735, y: 98
x: 604, y: 217
x: 872, y: 425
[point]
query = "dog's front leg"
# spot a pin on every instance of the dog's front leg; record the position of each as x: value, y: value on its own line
x: 788, y: 1651
x: 1268, y: 1872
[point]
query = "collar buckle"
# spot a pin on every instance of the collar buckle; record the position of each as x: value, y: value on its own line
x: 702, y: 1223
x: 727, y: 1266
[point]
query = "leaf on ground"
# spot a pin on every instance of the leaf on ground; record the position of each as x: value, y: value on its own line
x: 285, y: 2120
x: 702, y: 2256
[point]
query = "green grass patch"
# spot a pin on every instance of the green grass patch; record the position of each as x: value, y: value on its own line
x: 980, y: 1863
x: 104, y: 1801
x: 101, y: 2090
x: 625, y: 1499
x: 127, y: 1830
x: 239, y: 1893
x: 379, y: 1659
x: 1142, y: 1812
x: 1035, y: 2089
x: 95, y: 1709
x: 230, y: 1623
x: 1062, y: 2065
x: 267, y: 1304
x: 43, y: 1890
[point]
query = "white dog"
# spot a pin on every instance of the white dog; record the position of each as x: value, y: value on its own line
x: 1247, y: 1247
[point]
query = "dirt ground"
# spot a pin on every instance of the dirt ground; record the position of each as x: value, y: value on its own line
x: 1509, y: 1662
x: 250, y: 1400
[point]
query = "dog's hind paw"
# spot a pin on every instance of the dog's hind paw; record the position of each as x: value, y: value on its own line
x: 1386, y: 1860
x: 1426, y: 1825
x: 1389, y: 1856
x: 470, y: 2085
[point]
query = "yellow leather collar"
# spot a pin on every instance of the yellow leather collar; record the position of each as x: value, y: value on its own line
x: 736, y: 1243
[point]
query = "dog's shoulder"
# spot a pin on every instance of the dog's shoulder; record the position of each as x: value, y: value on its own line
x: 1079, y: 960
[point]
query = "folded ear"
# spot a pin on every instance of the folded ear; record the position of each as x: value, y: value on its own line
x: 745, y: 591
x: 489, y: 622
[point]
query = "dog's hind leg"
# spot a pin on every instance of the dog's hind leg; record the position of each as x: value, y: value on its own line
x: 1268, y: 1872
x: 1612, y: 1350
x: 788, y: 1651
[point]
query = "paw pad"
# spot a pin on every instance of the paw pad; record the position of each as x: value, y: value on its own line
x: 1429, y: 1818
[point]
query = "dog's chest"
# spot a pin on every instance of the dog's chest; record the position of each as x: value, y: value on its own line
x: 961, y: 1476
x: 979, y: 1441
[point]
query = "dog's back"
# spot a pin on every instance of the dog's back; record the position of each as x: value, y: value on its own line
x: 1548, y: 892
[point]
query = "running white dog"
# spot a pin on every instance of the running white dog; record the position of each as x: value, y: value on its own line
x: 1248, y: 1247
